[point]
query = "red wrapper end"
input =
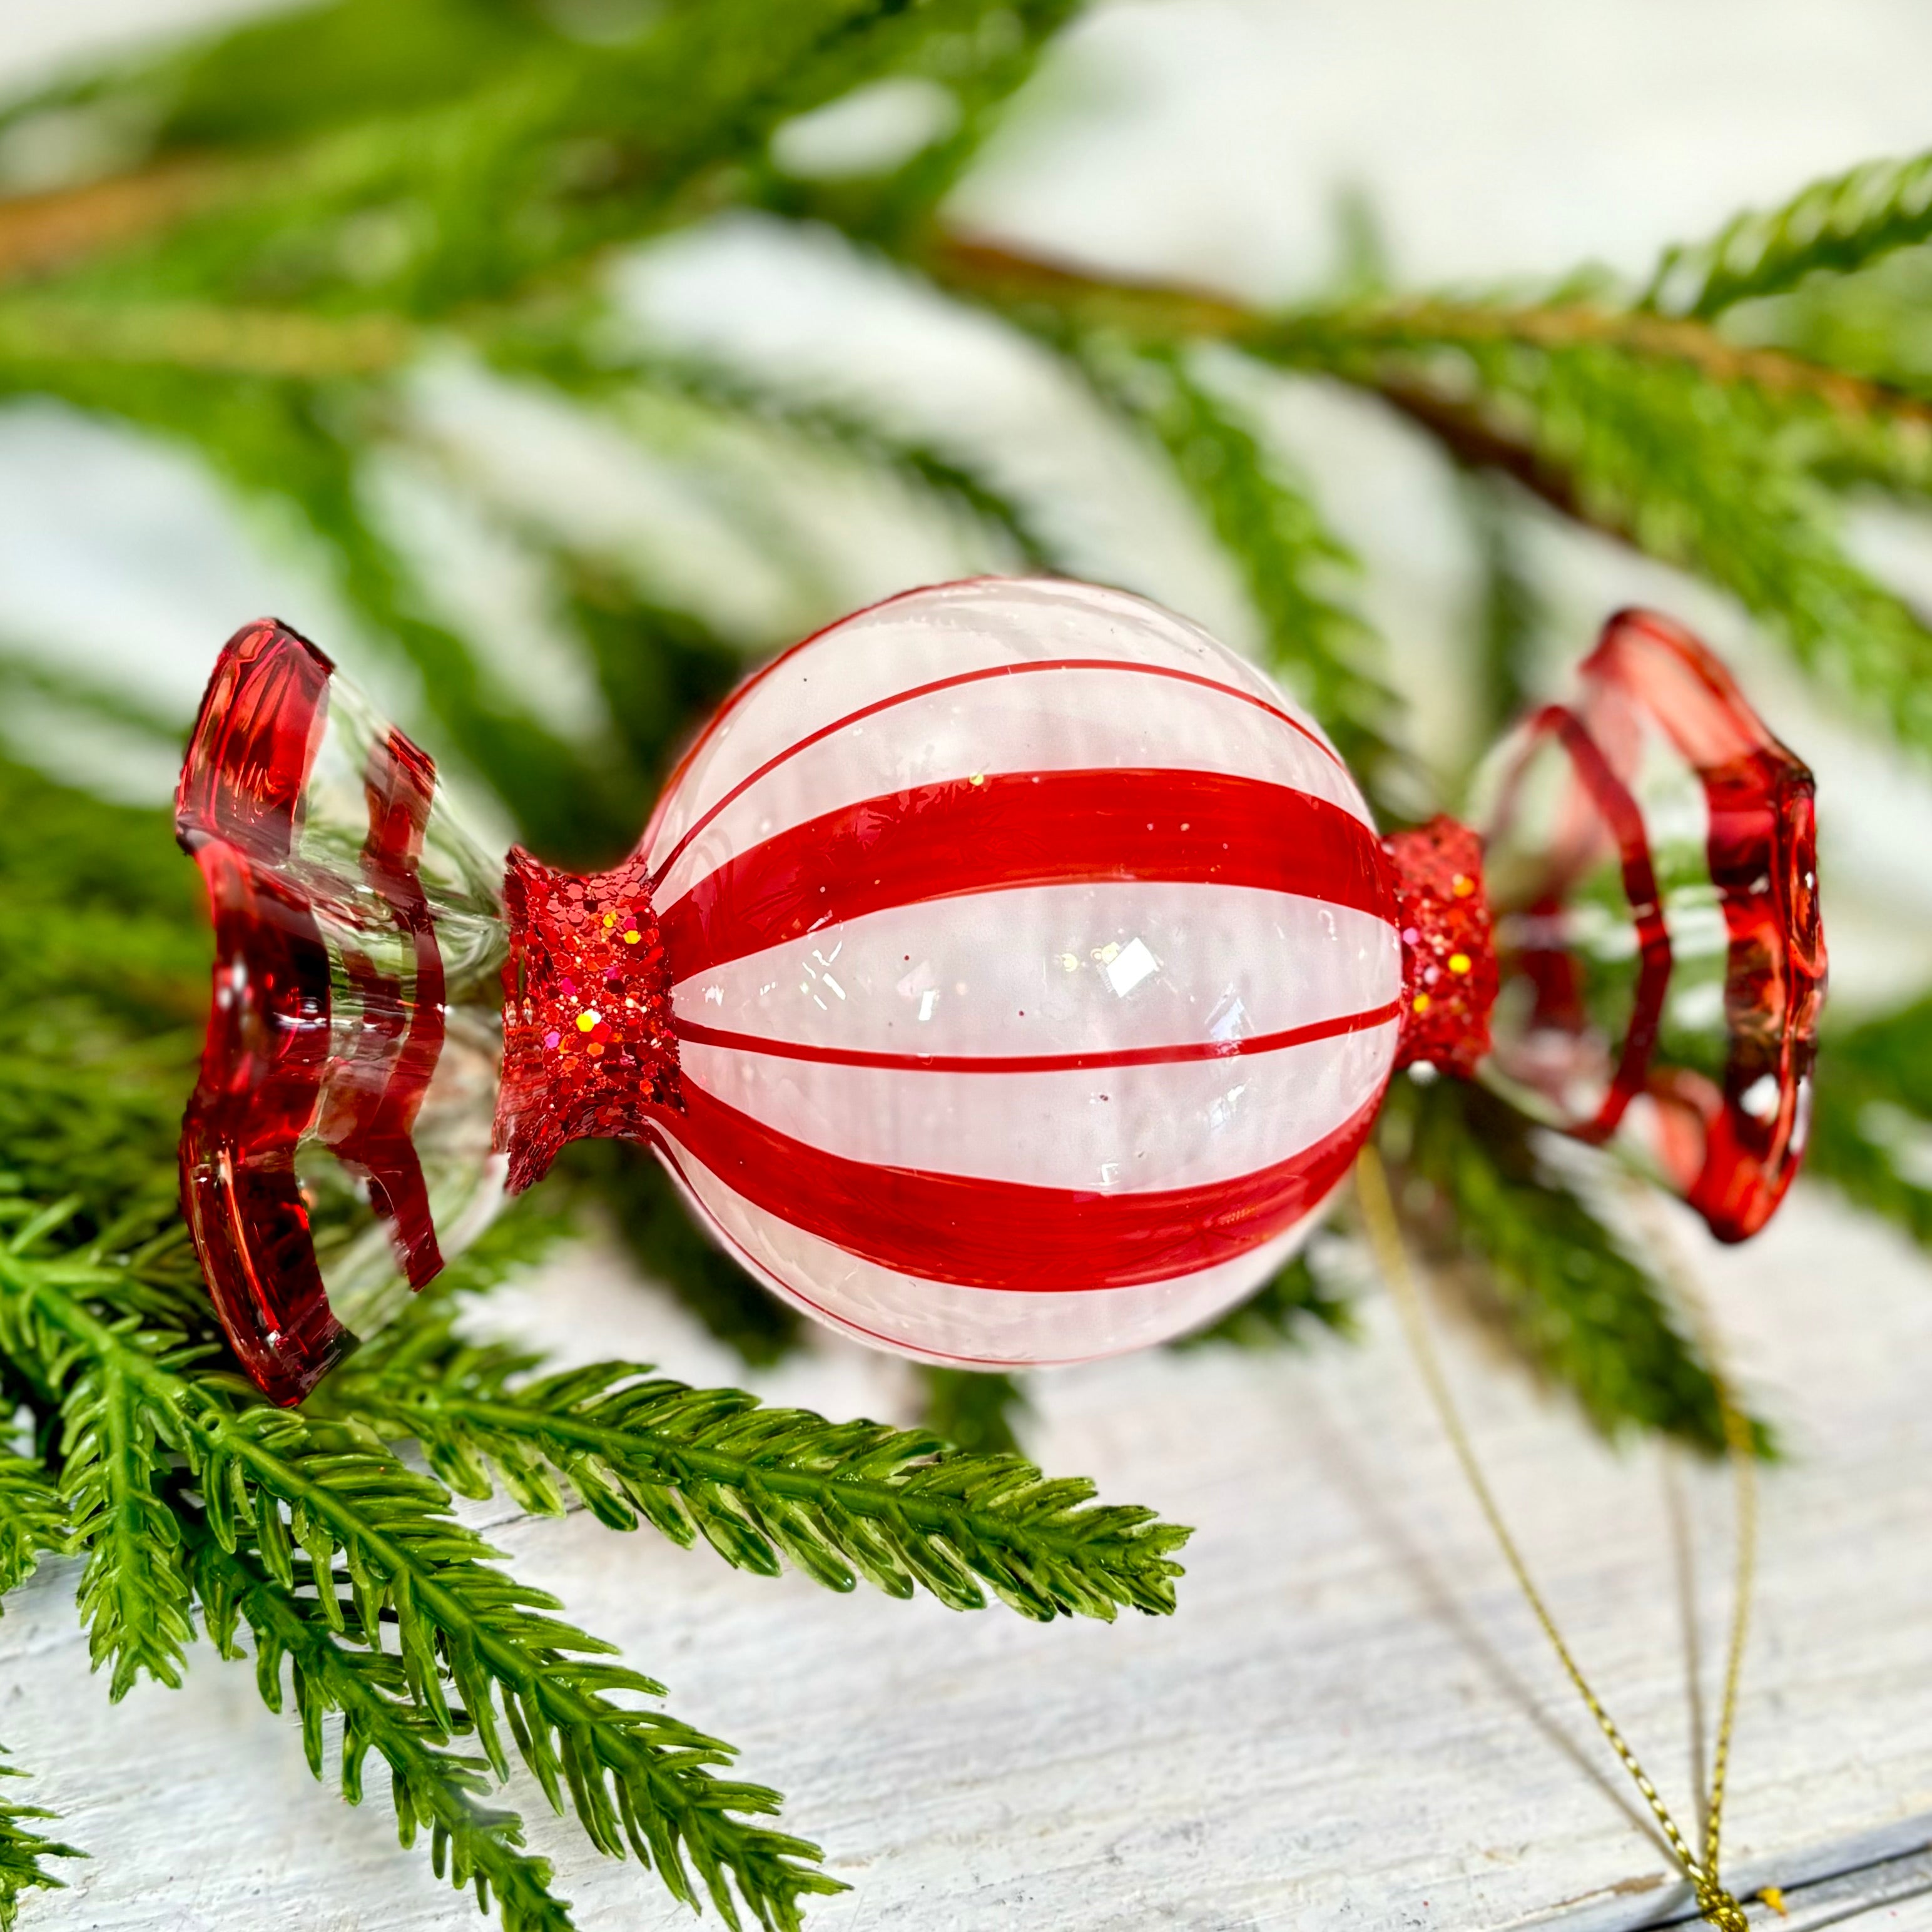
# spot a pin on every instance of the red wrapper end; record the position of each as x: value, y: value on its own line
x: 1652, y: 858
x: 337, y: 1146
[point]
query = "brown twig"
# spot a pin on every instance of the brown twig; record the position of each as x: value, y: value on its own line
x: 40, y: 233
x: 224, y: 341
x: 1166, y: 310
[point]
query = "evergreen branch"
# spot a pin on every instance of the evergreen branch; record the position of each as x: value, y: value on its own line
x: 43, y: 233
x: 841, y: 1500
x: 22, y: 1846
x: 1871, y: 324
x: 33, y: 1520
x: 1426, y: 325
x: 1702, y: 474
x: 974, y: 1409
x: 980, y: 70
x: 544, y: 160
x: 632, y: 1775
x: 134, y: 1596
x: 203, y: 338
x: 1508, y: 615
x: 1155, y: 313
x: 296, y: 442
x: 479, y: 1846
x: 258, y: 83
x: 1419, y: 355
x: 46, y: 333
x: 1700, y: 458
x: 926, y: 466
x: 115, y: 1437
x: 1271, y: 525
x: 1294, y: 1300
x: 1266, y: 519
x: 1576, y: 1304
x: 1834, y: 226
x: 1871, y: 1123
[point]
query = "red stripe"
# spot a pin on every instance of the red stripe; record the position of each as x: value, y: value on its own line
x: 953, y: 683
x: 978, y: 1233
x: 1018, y: 828
x: 694, y: 1201
x: 369, y: 1115
x: 699, y: 1035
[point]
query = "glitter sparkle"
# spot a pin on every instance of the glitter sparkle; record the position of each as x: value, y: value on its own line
x: 588, y: 1049
x: 1448, y: 950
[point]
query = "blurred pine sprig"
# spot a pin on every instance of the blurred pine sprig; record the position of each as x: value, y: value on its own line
x: 258, y: 247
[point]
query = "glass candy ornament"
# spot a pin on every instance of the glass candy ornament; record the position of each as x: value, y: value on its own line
x: 1008, y: 975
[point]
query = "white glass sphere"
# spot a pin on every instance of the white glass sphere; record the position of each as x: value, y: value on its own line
x: 1035, y: 973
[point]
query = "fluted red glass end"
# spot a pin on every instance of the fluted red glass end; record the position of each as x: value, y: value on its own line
x: 337, y: 1145
x: 1651, y: 856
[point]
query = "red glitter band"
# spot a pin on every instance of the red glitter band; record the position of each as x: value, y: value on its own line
x: 588, y: 1050
x: 1448, y: 946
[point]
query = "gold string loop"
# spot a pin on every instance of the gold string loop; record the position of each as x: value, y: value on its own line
x: 1715, y: 1905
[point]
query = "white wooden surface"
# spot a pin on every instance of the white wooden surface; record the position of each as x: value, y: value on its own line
x: 1350, y: 1721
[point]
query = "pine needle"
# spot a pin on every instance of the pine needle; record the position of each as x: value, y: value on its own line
x: 23, y: 1846
x: 1834, y: 226
x: 478, y: 1846
x: 841, y: 1500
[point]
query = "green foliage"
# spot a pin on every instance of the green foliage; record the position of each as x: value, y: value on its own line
x: 975, y: 1409
x: 421, y: 198
x: 134, y: 1595
x: 1683, y: 459
x: 351, y: 1673
x: 1509, y: 615
x: 1581, y: 1308
x: 1835, y: 227
x: 842, y: 1501
x: 103, y: 971
x: 23, y: 1847
x: 1271, y: 527
x: 1876, y: 326
x: 1871, y: 1125
x: 475, y: 1649
x: 33, y: 1519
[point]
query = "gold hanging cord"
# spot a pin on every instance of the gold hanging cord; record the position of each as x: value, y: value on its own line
x: 1715, y: 1904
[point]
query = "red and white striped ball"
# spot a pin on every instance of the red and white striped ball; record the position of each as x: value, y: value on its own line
x: 1035, y: 973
